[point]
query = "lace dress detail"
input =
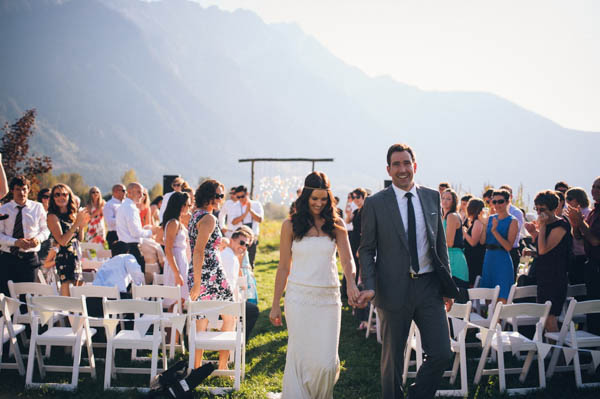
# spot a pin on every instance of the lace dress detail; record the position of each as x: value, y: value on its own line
x: 214, y: 284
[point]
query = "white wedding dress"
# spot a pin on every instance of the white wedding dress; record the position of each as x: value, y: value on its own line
x: 313, y: 315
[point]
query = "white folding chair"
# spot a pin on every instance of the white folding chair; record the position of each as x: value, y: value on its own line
x: 459, y: 317
x: 10, y: 332
x: 75, y: 337
x: 477, y: 281
x: 573, y: 291
x: 527, y: 291
x: 153, y: 292
x: 413, y: 343
x: 512, y: 341
x: 479, y: 297
x: 218, y: 340
x: 574, y: 338
x: 135, y: 339
x: 158, y: 279
x: 373, y: 318
x: 39, y: 274
x: 95, y: 291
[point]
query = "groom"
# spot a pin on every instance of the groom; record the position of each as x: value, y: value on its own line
x: 404, y: 269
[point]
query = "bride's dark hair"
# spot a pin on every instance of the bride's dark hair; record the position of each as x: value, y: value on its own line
x: 302, y: 219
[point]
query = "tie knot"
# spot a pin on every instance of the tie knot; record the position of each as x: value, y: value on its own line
x: 408, y: 195
x: 20, y: 207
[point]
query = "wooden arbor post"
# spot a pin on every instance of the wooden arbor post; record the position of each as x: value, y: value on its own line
x: 254, y: 160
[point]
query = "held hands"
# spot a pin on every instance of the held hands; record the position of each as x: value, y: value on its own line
x: 448, y: 302
x: 275, y: 316
x: 353, y: 294
x: 365, y: 297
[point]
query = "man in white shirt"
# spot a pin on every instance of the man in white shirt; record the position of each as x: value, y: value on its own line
x: 224, y: 217
x: 129, y: 223
x: 110, y: 213
x: 176, y: 185
x: 21, y: 234
x: 515, y: 254
x: 247, y: 213
x: 120, y: 270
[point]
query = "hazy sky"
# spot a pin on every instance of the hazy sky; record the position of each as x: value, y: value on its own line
x: 541, y: 54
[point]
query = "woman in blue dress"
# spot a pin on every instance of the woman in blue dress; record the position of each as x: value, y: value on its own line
x: 498, y: 237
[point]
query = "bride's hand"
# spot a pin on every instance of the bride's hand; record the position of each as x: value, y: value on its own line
x: 353, y: 294
x: 275, y: 316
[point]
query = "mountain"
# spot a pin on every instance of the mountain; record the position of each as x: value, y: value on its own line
x: 171, y: 87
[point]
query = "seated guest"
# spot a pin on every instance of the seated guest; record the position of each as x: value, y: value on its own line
x: 454, y: 239
x: 240, y: 241
x: 499, y: 236
x: 474, y: 250
x: 552, y: 237
x: 120, y: 270
x: 154, y: 256
x: 577, y: 198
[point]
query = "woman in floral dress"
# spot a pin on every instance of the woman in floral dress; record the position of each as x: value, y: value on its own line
x: 95, y: 229
x: 206, y: 277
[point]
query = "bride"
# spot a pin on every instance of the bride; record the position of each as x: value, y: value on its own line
x: 307, y: 265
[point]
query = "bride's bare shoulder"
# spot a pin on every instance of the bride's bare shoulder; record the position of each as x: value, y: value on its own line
x: 286, y: 225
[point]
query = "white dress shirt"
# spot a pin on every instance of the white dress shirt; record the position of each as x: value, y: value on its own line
x: 34, y: 224
x: 119, y: 270
x: 110, y: 213
x: 231, y: 267
x: 129, y: 224
x: 422, y: 241
x: 516, y: 212
x: 225, y: 217
x: 238, y: 210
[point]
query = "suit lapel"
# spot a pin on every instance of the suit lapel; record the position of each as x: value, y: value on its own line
x: 392, y: 204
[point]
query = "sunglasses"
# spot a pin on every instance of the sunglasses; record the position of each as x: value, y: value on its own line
x: 176, y: 185
x: 219, y: 196
x: 570, y: 198
x: 241, y: 196
x: 56, y: 195
x: 498, y: 201
x: 244, y: 243
x: 45, y: 197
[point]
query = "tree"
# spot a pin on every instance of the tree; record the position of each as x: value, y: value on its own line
x: 129, y: 177
x: 155, y: 191
x: 15, y: 151
x: 73, y: 180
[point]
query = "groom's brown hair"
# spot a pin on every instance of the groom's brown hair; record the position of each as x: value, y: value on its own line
x: 399, y: 148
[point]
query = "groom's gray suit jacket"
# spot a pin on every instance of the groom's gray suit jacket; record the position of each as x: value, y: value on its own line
x: 384, y: 254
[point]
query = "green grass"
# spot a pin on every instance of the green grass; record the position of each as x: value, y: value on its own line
x: 265, y: 357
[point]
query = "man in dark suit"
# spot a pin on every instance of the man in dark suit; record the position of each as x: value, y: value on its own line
x: 404, y: 269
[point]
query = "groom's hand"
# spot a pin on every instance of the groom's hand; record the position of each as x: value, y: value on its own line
x: 365, y: 297
x: 448, y: 302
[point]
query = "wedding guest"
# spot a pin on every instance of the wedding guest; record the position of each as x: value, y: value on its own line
x: 560, y: 209
x: 21, y: 234
x: 110, y: 213
x: 185, y: 218
x: 252, y: 310
x: 66, y: 224
x: 499, y: 237
x: 155, y: 210
x: 576, y: 197
x: 358, y: 197
x: 206, y: 277
x: 176, y: 185
x: 464, y: 201
x: 230, y: 257
x: 120, y: 271
x: 95, y: 208
x: 225, y: 220
x: 249, y: 213
x: 129, y: 223
x: 515, y: 253
x: 474, y: 249
x: 349, y: 212
x: 144, y: 208
x: 588, y: 229
x: 561, y: 186
x: 552, y: 236
x: 176, y: 236
x: 337, y: 207
x: 454, y: 239
x: 443, y: 186
x: 487, y: 198
x: 43, y: 197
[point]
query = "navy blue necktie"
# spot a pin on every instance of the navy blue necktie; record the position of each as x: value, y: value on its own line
x: 18, y: 228
x: 412, y: 234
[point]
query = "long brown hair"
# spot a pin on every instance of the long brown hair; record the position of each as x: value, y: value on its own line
x: 302, y: 218
x: 71, y: 206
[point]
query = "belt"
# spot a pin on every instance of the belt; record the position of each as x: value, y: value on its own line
x: 494, y: 247
x: 416, y: 276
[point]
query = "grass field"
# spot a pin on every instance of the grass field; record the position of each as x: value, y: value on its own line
x: 265, y: 358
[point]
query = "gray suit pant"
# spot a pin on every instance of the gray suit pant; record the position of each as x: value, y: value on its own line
x: 425, y: 306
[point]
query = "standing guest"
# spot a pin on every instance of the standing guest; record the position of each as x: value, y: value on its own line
x: 588, y: 229
x: 144, y: 208
x: 21, y: 234
x: 561, y: 186
x: 515, y: 253
x: 110, y: 213
x: 43, y: 197
x: 66, y: 225
x: 552, y: 241
x: 176, y: 185
x: 154, y: 256
x: 404, y: 263
x: 349, y: 212
x: 443, y: 186
x: 339, y: 211
x: 454, y: 239
x: 176, y: 236
x: 560, y: 209
x: 249, y: 213
x: 464, y: 201
x: 487, y: 198
x: 185, y: 218
x: 129, y: 224
x: 206, y: 277
x: 95, y: 208
x: 155, y: 210
x: 474, y: 249
x: 358, y: 196
x: 577, y: 198
x: 224, y: 219
x: 499, y: 237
